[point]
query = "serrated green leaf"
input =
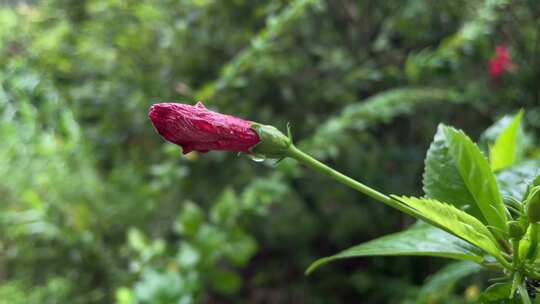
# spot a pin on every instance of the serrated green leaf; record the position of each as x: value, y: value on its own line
x: 441, y: 178
x: 478, y: 177
x: 505, y: 152
x: 513, y: 181
x: 488, y: 137
x: 498, y: 294
x: 446, y: 277
x: 455, y: 221
x: 419, y: 240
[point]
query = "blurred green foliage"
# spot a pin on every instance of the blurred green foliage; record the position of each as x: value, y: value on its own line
x: 96, y: 208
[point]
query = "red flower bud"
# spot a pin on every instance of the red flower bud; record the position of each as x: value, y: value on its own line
x: 196, y: 128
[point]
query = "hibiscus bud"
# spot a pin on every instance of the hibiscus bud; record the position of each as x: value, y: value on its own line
x: 515, y: 230
x: 533, y: 205
x: 273, y: 143
x: 196, y: 128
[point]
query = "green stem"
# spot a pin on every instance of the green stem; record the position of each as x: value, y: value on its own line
x: 516, y: 282
x: 515, y: 252
x: 531, y: 255
x: 311, y: 162
x: 524, y: 294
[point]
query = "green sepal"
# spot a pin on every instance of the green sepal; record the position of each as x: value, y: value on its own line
x: 273, y: 143
x: 515, y: 230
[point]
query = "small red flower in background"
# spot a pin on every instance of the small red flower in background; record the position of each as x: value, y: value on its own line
x: 500, y: 63
x: 196, y: 128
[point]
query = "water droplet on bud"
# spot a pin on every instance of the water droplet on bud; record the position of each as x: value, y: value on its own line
x: 256, y: 158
